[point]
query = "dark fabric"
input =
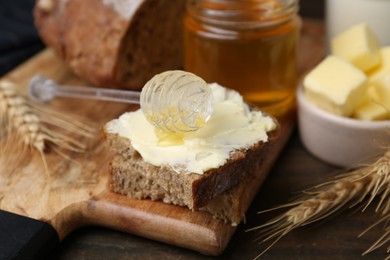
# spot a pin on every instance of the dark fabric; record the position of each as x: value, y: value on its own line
x: 19, y: 39
x: 25, y: 238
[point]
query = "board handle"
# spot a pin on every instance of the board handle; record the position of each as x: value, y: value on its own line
x: 25, y: 238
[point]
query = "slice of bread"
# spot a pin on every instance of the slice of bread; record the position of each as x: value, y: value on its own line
x: 225, y: 192
x: 114, y: 43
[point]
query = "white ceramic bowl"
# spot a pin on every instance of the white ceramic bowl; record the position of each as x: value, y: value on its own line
x: 339, y: 140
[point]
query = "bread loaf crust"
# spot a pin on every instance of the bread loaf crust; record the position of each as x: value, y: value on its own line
x: 110, y: 48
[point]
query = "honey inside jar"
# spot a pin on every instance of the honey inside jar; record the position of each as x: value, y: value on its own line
x: 247, y: 45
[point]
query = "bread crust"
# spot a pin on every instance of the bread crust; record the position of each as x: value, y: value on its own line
x: 110, y: 49
x: 231, y: 205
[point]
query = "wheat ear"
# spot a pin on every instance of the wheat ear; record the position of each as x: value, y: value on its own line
x: 36, y: 126
x: 382, y: 168
x: 345, y: 191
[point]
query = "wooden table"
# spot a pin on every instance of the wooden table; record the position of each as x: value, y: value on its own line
x: 295, y: 170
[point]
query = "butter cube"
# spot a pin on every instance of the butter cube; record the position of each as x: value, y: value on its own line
x: 374, y: 108
x: 336, y: 86
x: 383, y: 88
x: 357, y: 45
x: 383, y: 68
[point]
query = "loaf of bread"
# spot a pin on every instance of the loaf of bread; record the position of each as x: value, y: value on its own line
x: 114, y: 43
x: 224, y: 190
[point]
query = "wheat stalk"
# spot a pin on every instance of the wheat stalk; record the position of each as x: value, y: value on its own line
x: 36, y: 126
x: 345, y: 191
x: 385, y: 238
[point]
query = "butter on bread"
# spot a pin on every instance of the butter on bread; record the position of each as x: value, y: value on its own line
x: 113, y: 43
x: 218, y: 191
x: 224, y: 191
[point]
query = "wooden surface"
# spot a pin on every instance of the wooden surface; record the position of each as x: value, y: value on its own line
x: 75, y: 192
x: 295, y: 170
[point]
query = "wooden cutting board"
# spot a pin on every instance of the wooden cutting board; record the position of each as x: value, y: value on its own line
x: 76, y: 192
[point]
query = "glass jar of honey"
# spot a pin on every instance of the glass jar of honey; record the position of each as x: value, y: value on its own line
x: 246, y: 45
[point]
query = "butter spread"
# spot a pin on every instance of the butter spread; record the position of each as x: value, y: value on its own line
x: 232, y: 126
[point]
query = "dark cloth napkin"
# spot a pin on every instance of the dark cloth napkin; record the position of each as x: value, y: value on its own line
x: 19, y: 39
